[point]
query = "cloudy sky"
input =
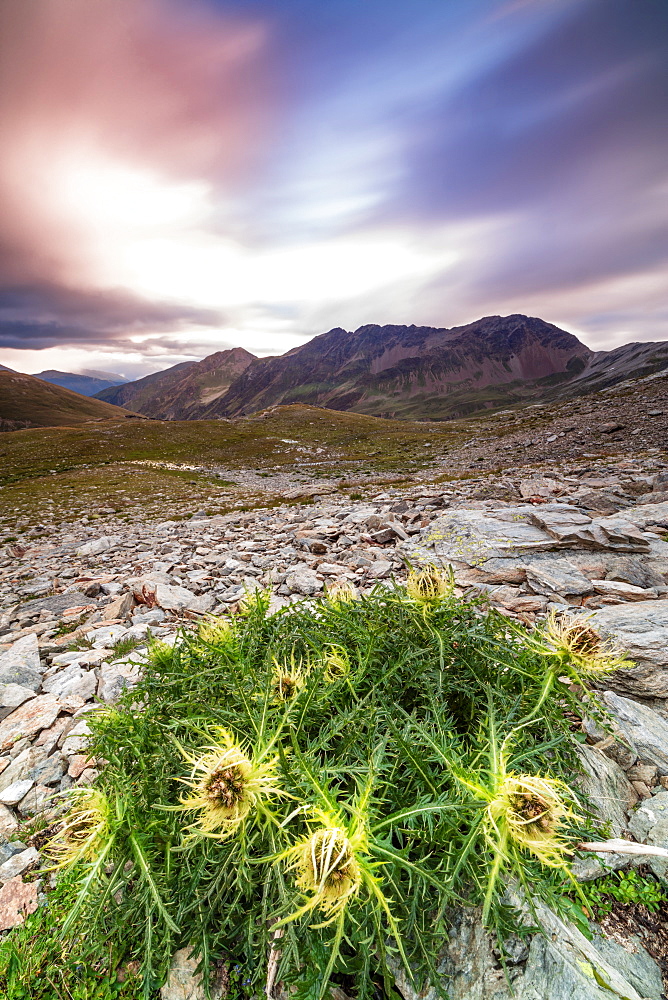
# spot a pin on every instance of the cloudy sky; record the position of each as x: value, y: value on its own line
x: 182, y: 176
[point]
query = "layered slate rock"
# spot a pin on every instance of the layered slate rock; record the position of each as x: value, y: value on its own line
x: 555, y: 548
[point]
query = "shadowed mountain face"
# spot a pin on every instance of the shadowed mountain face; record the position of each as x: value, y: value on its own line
x: 87, y: 383
x: 28, y: 401
x: 413, y: 371
x: 184, y: 391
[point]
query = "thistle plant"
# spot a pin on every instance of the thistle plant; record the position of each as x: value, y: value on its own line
x: 347, y: 784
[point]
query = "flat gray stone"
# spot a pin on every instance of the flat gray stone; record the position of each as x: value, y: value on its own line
x: 642, y: 727
x: 57, y: 603
x: 303, y: 581
x: 13, y: 793
x: 21, y: 664
x: 18, y: 864
x: 13, y: 695
x: 641, y: 631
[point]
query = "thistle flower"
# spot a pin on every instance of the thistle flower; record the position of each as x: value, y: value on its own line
x: 331, y: 865
x: 288, y: 679
x: 327, y: 870
x: 216, y: 631
x: 530, y: 809
x: 430, y: 585
x: 339, y: 594
x: 579, y: 644
x: 87, y: 829
x: 226, y: 785
x: 337, y: 663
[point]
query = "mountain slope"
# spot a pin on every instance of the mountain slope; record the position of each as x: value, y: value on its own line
x: 410, y: 371
x: 26, y: 400
x: 86, y: 383
x: 142, y: 391
x: 184, y: 391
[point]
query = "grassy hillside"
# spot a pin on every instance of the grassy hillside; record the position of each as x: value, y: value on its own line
x: 286, y: 437
x: 41, y: 404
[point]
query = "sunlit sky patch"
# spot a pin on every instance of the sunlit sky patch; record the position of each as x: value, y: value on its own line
x: 182, y: 176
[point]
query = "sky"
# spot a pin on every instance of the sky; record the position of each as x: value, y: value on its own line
x: 183, y: 176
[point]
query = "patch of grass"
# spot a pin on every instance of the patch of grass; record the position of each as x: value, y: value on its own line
x: 342, y: 771
x: 37, y: 964
x: 124, y: 646
x: 629, y: 887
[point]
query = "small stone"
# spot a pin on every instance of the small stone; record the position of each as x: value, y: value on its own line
x: 120, y: 607
x: 18, y: 863
x: 9, y: 849
x: 77, y: 739
x: 78, y: 763
x: 379, y: 569
x: 184, y: 983
x: 49, y: 771
x: 642, y: 772
x: 17, y: 900
x: 16, y: 791
x: 609, y: 428
x: 642, y: 789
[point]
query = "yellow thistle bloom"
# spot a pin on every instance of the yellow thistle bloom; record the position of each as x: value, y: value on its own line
x: 288, y: 679
x: 216, y: 631
x: 430, y: 585
x: 226, y: 785
x: 529, y: 809
x: 337, y: 664
x: 86, y: 829
x: 580, y: 644
x: 327, y: 869
x: 340, y: 594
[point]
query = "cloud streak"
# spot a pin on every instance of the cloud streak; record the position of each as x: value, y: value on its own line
x: 183, y: 176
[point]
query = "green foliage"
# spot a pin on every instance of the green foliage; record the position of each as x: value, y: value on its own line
x: 312, y: 791
x: 124, y: 646
x: 623, y: 887
x: 37, y: 964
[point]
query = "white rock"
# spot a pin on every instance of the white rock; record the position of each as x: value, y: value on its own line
x: 18, y: 863
x: 21, y: 664
x: 98, y: 545
x: 8, y: 823
x: 16, y: 791
x: 13, y: 695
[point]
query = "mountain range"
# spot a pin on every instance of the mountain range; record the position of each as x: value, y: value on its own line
x: 86, y: 383
x: 28, y: 401
x: 416, y: 372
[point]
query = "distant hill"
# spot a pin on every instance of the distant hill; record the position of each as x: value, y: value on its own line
x: 88, y: 383
x: 28, y: 401
x: 184, y: 391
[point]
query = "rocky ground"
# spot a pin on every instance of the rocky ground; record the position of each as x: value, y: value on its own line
x: 578, y: 535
